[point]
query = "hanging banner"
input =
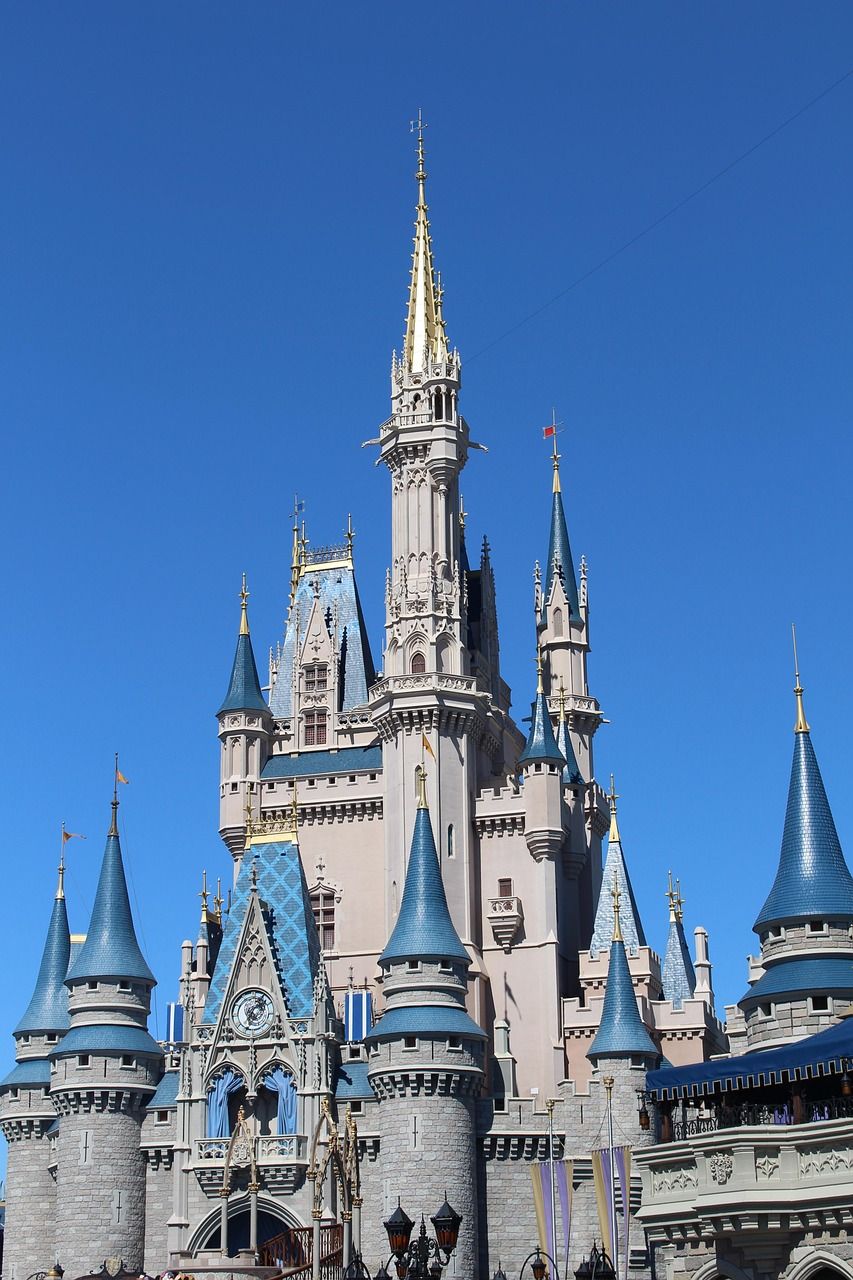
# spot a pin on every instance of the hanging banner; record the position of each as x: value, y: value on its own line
x: 540, y: 1176
x: 623, y: 1169
x: 603, y: 1196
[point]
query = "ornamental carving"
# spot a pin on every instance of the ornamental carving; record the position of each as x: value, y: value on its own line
x: 818, y: 1162
x: 674, y: 1180
x: 767, y: 1166
x: 721, y: 1167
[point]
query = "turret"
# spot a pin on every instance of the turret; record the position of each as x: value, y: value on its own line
x: 678, y: 977
x: 805, y: 923
x: 616, y: 873
x: 245, y: 726
x: 425, y: 1062
x: 103, y: 1072
x: 542, y: 764
x: 621, y: 1033
x: 26, y: 1111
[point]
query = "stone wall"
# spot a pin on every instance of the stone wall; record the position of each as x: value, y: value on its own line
x: 29, y: 1242
x: 158, y: 1211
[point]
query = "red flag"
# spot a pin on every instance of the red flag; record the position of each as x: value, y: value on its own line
x: 549, y: 431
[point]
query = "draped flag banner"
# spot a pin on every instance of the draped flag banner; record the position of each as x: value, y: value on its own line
x: 540, y: 1175
x: 604, y: 1193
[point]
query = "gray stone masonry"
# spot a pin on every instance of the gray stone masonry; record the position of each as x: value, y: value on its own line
x: 158, y: 1139
x: 30, y: 1200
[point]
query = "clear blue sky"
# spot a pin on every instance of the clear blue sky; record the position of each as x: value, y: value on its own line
x: 204, y: 237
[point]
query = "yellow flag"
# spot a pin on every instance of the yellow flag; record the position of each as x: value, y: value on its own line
x: 426, y: 745
x: 71, y: 835
x: 120, y: 776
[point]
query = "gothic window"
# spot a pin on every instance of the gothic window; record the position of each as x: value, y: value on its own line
x: 317, y: 678
x: 323, y: 906
x: 418, y: 666
x: 557, y: 620
x: 315, y: 728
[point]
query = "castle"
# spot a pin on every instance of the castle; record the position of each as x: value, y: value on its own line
x: 491, y: 1012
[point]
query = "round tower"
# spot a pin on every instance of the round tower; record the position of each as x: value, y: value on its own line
x: 542, y: 765
x: 425, y: 1058
x: 103, y: 1072
x: 27, y: 1116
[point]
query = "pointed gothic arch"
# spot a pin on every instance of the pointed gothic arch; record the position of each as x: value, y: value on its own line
x: 820, y: 1264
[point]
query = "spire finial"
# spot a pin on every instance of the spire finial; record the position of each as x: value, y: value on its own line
x: 679, y: 901
x: 802, y: 725
x: 551, y: 430
x: 250, y: 824
x: 420, y: 783
x: 218, y: 901
x: 60, y: 888
x: 203, y: 896
x: 294, y: 811
x: 463, y: 515
x: 672, y: 898
x: 420, y: 124
x: 244, y: 614
x: 539, y: 686
x: 350, y: 535
x: 113, y: 831
x: 562, y: 703
x: 616, y: 895
x: 612, y: 798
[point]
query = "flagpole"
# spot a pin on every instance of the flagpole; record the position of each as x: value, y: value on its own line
x: 614, y: 1230
x: 550, y: 1107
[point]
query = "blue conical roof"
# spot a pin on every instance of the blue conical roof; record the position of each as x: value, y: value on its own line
x: 541, y: 743
x: 111, y: 949
x: 48, y: 1007
x: 616, y: 872
x: 244, y: 688
x: 621, y: 1033
x: 813, y: 879
x: 424, y: 928
x: 571, y: 773
x: 678, y: 977
x: 560, y: 562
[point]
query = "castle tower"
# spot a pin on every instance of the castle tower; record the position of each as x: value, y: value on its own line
x: 805, y: 924
x: 678, y: 976
x: 616, y: 873
x: 103, y: 1072
x: 428, y: 689
x: 26, y: 1111
x: 245, y: 726
x: 425, y: 1063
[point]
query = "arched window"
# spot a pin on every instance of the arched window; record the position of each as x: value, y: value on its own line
x: 557, y: 621
x: 418, y: 664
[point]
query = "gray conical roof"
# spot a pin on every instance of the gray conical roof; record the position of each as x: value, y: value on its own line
x: 424, y: 928
x: 678, y: 977
x: 621, y: 1033
x: 48, y: 1007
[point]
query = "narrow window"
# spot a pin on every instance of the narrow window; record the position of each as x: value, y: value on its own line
x: 323, y: 906
x: 557, y: 622
x: 418, y: 666
x: 124, y: 986
x: 356, y: 1107
x: 504, y: 888
x: 450, y: 840
x: 85, y: 1148
x: 413, y: 966
x: 315, y: 728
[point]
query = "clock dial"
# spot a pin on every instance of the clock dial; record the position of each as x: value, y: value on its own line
x: 252, y: 1013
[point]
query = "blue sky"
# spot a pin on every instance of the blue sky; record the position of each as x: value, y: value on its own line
x: 204, y: 241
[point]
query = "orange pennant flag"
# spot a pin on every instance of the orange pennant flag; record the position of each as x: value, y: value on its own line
x: 427, y: 746
x: 71, y: 835
x: 120, y: 776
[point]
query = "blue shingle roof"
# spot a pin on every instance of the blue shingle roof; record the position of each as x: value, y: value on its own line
x: 101, y: 1038
x: 244, y: 687
x: 167, y: 1092
x: 48, y: 1007
x: 571, y: 773
x: 806, y: 975
x: 309, y: 764
x: 111, y: 949
x: 424, y: 927
x: 541, y: 744
x: 621, y: 1033
x: 340, y: 602
x: 678, y: 977
x: 560, y: 562
x: 813, y: 879
x: 351, y: 1082
x: 33, y: 1071
x: 426, y: 1019
x: 290, y: 923
x: 629, y: 916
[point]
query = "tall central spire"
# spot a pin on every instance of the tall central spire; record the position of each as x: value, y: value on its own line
x: 425, y: 336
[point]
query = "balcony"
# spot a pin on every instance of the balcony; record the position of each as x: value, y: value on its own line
x: 506, y: 917
x: 281, y: 1161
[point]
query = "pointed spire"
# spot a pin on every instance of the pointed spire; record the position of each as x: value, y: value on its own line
x: 60, y: 888
x: 812, y: 879
x: 571, y: 774
x: 616, y: 872
x: 802, y: 725
x: 425, y: 335
x: 424, y: 927
x: 678, y: 976
x: 47, y: 1010
x: 244, y: 688
x: 621, y: 1032
x: 541, y: 744
x: 560, y: 563
x: 111, y: 949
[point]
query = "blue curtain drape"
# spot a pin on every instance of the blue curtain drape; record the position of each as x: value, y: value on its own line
x: 282, y: 1083
x: 217, y: 1103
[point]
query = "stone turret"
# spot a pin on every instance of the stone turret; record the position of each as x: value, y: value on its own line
x: 26, y: 1111
x: 804, y: 977
x: 103, y: 1072
x: 245, y: 727
x: 425, y: 1062
x: 542, y: 764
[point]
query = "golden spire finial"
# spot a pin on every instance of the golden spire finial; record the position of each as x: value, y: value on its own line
x: 244, y: 612
x: 113, y: 831
x: 616, y: 895
x: 425, y: 338
x: 612, y: 798
x: 294, y: 812
x: 350, y: 535
x: 218, y: 901
x: 672, y: 898
x: 203, y: 896
x: 420, y: 783
x: 679, y: 901
x: 562, y: 703
x: 802, y: 725
x: 60, y: 888
x: 250, y: 825
x: 539, y: 685
x: 295, y: 560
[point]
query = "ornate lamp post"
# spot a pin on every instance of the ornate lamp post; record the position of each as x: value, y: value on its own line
x: 538, y: 1262
x: 597, y: 1267
x: 412, y: 1257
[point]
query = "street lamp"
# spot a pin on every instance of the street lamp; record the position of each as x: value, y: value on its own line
x: 412, y: 1257
x: 538, y: 1261
x: 356, y: 1269
x: 597, y: 1267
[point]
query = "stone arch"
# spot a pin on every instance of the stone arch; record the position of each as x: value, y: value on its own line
x: 444, y: 653
x: 238, y: 1205
x: 818, y: 1264
x: 716, y: 1268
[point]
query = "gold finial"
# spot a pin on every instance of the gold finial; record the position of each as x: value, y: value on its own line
x: 616, y: 895
x: 113, y: 831
x: 612, y: 798
x: 350, y: 535
x: 562, y: 703
x: 294, y: 812
x: 802, y: 725
x: 218, y: 900
x: 303, y: 545
x: 539, y: 685
x: 295, y: 561
x: 203, y: 896
x: 672, y: 897
x: 250, y: 825
x: 679, y: 901
x: 555, y: 457
x: 244, y: 614
x: 420, y: 783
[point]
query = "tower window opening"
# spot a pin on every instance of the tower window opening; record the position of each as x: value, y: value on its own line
x: 816, y: 926
x: 82, y: 1059
x: 356, y: 1106
x: 765, y: 1011
x: 820, y: 1004
x: 450, y: 849
x: 127, y: 1059
x: 410, y: 1042
x: 323, y: 906
x: 162, y: 1117
x: 505, y: 888
x: 316, y: 678
x: 124, y: 986
x: 413, y: 966
x: 418, y: 664
x: 92, y: 986
x: 557, y: 622
x: 315, y: 728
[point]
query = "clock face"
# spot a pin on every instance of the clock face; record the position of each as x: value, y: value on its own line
x: 252, y: 1013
